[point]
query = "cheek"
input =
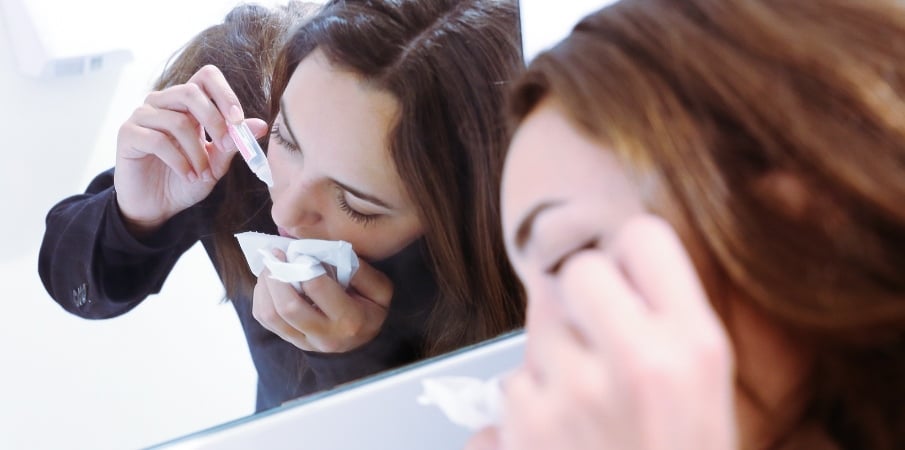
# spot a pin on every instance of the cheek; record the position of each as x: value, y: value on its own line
x: 275, y: 157
x: 372, y: 243
x: 393, y: 240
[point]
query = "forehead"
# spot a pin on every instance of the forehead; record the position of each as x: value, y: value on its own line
x: 548, y: 159
x: 341, y: 122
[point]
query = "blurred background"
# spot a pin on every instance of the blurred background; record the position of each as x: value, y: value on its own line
x: 177, y: 363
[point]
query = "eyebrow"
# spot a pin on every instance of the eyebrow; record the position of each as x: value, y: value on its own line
x: 347, y: 188
x: 526, y: 225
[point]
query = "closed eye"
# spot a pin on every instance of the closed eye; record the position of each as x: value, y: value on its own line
x: 282, y: 141
x: 360, y: 217
x: 557, y: 265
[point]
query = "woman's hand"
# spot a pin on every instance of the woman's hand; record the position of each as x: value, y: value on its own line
x: 328, y: 318
x: 624, y: 352
x: 164, y: 164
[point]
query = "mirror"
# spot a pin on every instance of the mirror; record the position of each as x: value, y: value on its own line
x: 320, y: 420
x: 172, y: 366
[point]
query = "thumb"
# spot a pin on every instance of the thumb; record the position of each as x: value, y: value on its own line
x: 219, y: 159
x: 258, y: 127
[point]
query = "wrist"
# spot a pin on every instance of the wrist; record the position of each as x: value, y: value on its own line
x: 138, y: 227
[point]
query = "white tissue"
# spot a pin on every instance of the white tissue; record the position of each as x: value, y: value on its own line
x: 469, y: 402
x: 304, y: 257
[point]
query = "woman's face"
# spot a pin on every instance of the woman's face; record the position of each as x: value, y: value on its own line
x: 333, y: 174
x: 562, y: 193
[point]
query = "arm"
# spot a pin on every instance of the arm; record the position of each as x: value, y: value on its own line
x: 92, y: 265
x: 91, y: 261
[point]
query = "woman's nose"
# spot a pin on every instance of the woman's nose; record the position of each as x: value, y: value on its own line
x: 298, y: 208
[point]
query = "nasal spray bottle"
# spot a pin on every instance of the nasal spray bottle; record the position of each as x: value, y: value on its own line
x: 251, y: 152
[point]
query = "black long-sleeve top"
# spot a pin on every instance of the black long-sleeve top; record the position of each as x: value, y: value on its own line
x: 94, y: 268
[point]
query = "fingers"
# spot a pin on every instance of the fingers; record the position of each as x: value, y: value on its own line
x: 142, y: 141
x: 351, y: 318
x: 606, y: 370
x: 220, y: 160
x: 330, y: 297
x: 292, y: 307
x: 326, y: 317
x: 208, y: 97
x: 283, y: 311
x: 183, y: 131
x: 226, y: 107
x: 525, y: 412
x: 182, y: 114
x: 657, y: 266
x: 599, y: 301
x: 554, y: 351
x: 209, y: 100
x: 212, y: 81
x: 372, y: 284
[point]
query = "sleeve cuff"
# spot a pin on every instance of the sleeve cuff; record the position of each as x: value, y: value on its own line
x: 380, y: 354
x: 119, y: 239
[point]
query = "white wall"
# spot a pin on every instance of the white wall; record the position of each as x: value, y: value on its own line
x: 546, y: 22
x: 176, y: 364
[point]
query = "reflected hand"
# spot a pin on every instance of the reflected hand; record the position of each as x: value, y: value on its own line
x: 327, y: 318
x: 624, y: 352
x: 164, y: 164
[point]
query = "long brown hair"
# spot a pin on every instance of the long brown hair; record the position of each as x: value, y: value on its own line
x: 449, y: 63
x: 771, y: 133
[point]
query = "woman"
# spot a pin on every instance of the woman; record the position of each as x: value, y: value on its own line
x: 769, y: 135
x: 386, y: 132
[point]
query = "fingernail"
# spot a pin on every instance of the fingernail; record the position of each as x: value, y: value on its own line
x: 235, y: 114
x: 192, y: 176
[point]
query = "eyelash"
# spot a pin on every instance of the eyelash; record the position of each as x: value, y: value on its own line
x: 275, y: 134
x: 590, y: 244
x: 363, y: 219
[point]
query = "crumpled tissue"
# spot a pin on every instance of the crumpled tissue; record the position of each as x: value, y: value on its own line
x: 469, y: 402
x: 305, y: 258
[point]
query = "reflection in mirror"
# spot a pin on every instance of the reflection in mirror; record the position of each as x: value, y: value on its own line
x: 381, y: 145
x: 315, y: 418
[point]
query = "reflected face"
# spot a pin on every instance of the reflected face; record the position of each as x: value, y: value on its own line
x: 333, y: 174
x: 562, y: 193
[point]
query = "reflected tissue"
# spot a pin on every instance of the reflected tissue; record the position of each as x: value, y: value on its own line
x: 305, y: 258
